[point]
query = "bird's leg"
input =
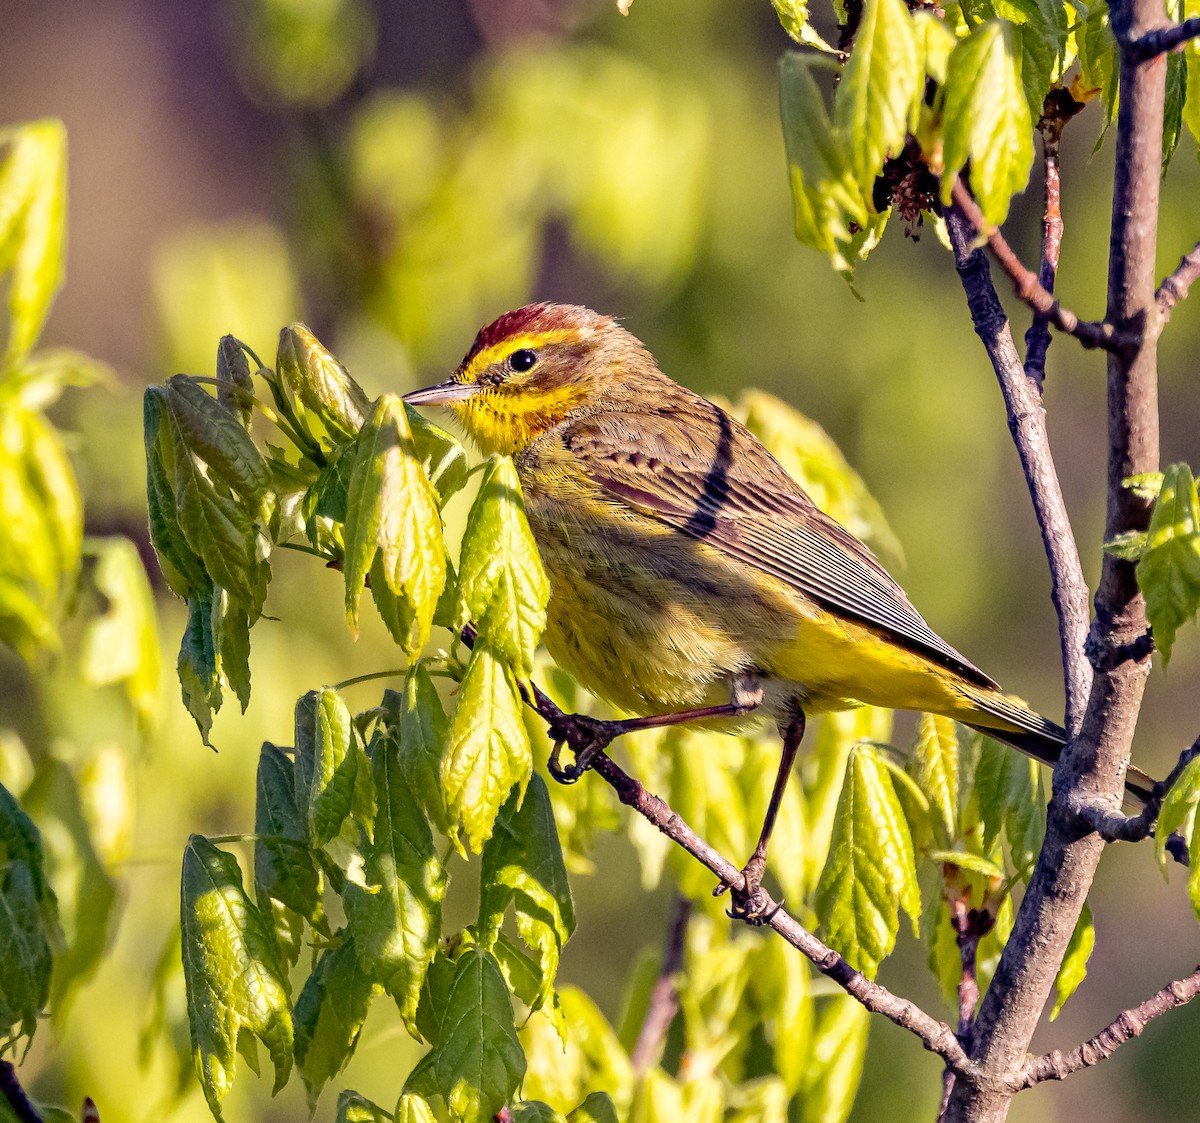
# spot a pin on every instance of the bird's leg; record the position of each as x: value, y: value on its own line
x: 744, y: 907
x: 588, y: 736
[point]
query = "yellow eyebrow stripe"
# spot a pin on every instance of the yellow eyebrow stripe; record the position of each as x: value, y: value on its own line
x: 531, y: 340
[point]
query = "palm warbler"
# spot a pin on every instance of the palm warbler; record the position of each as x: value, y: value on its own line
x: 690, y: 575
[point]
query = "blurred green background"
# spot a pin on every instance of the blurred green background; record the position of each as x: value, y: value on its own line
x: 396, y: 174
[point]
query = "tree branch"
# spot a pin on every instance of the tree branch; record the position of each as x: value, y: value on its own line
x: 1164, y: 39
x: 10, y: 1087
x: 1057, y: 1065
x: 936, y: 1036
x: 1029, y: 289
x: 1093, y: 762
x: 1115, y: 827
x: 970, y: 926
x: 664, y: 999
x: 1174, y: 289
x: 1027, y: 423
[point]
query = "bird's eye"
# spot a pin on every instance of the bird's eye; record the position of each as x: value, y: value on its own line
x: 522, y: 360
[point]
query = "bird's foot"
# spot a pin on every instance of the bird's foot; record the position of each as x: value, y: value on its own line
x: 585, y: 736
x: 751, y: 902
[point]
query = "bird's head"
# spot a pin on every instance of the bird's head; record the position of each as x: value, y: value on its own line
x: 531, y: 368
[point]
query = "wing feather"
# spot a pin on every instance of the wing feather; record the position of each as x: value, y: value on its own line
x: 707, y: 476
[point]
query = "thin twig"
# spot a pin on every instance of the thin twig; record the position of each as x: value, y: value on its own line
x: 18, y: 1101
x: 1058, y: 109
x: 1164, y: 39
x: 936, y: 1036
x: 1115, y: 827
x: 1174, y: 289
x: 970, y: 926
x: 1029, y: 289
x: 1027, y: 423
x: 1057, y: 1065
x: 664, y: 999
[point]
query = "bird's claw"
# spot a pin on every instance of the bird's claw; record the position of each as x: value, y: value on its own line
x: 750, y: 901
x: 587, y: 738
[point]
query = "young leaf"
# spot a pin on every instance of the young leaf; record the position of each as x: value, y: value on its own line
x: 1042, y: 31
x: 442, y: 457
x: 234, y: 982
x: 488, y: 748
x: 320, y: 381
x: 395, y: 914
x: 987, y: 119
x: 352, y: 1107
x: 284, y: 869
x: 213, y: 432
x: 121, y: 644
x: 502, y: 588
x: 236, y: 389
x: 523, y: 864
x: 35, y: 177
x: 1176, y: 95
x: 330, y: 1013
x: 832, y: 1081
x: 1074, y: 964
x: 391, y: 508
x: 826, y: 198
x: 199, y: 676
x: 870, y: 873
x: 936, y: 759
x: 534, y: 1111
x: 1178, y: 813
x: 478, y: 1062
x: 411, y: 1108
x: 880, y: 88
x: 422, y: 733
x: 1169, y: 572
x: 326, y: 763
x: 1191, y: 107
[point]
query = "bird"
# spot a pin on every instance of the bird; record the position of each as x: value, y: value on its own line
x: 691, y: 577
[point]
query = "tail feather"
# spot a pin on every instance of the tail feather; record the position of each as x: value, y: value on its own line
x: 1039, y: 737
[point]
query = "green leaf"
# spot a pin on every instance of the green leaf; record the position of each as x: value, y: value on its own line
x: 326, y: 763
x: 1191, y: 56
x: 214, y: 433
x: 870, y: 873
x: 833, y: 1077
x: 826, y: 198
x: 25, y: 955
x: 1169, y: 572
x: 284, y: 869
x: 391, y: 508
x: 987, y: 118
x: 1176, y: 95
x: 880, y: 90
x: 395, y: 913
x: 236, y: 390
x: 1042, y: 32
x: 181, y: 566
x: 422, y: 732
x: 235, y: 984
x: 502, y: 588
x: 1178, y: 813
x: 597, y: 1108
x: 330, y: 1013
x: 87, y: 904
x: 965, y: 860
x: 488, y: 747
x: 33, y: 204
x: 320, y: 381
x: 1010, y: 795
x: 936, y: 758
x: 1074, y: 965
x: 199, y: 677
x: 121, y: 644
x: 442, y: 457
x: 523, y: 865
x: 478, y: 1062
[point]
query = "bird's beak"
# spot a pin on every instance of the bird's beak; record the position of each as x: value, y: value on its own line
x: 444, y: 393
